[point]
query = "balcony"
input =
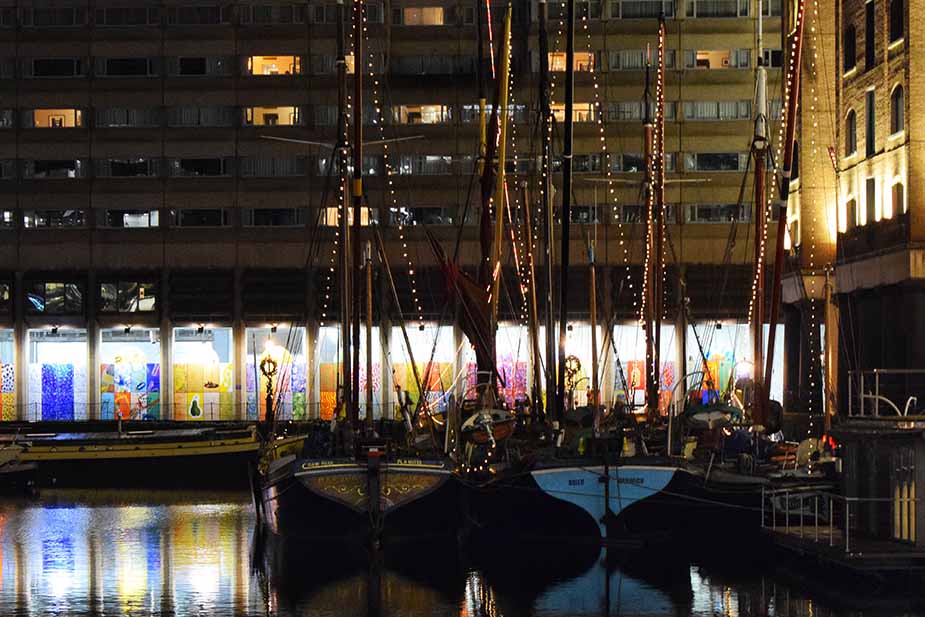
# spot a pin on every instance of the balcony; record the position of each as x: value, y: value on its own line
x: 873, y: 238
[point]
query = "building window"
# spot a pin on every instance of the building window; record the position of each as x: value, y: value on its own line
x: 127, y: 168
x: 870, y: 200
x: 199, y: 66
x: 54, y: 67
x: 127, y: 297
x: 435, y: 64
x: 717, y: 110
x: 419, y: 16
x: 558, y: 9
x: 717, y: 8
x: 795, y: 164
x: 271, y: 14
x: 425, y: 164
x: 897, y: 27
x: 127, y: 219
x: 7, y: 119
x: 718, y: 213
x: 7, y: 169
x: 870, y: 42
x: 54, y: 17
x: 851, y: 213
x: 201, y: 116
x: 850, y: 49
x: 582, y: 112
x: 899, y: 198
x: 584, y: 61
x: 274, y: 217
x: 645, y: 9
x: 635, y: 59
x: 717, y: 59
x: 125, y: 67
x: 120, y: 117
x: 273, y: 65
x: 7, y: 219
x: 271, y: 168
x: 44, y: 169
x: 199, y: 15
x: 127, y: 16
x: 53, y: 118
x: 54, y: 298
x: 196, y: 168
x: 200, y: 217
x: 897, y: 111
x: 773, y: 58
x: 422, y: 114
x: 870, y: 137
x: 715, y: 161
x: 272, y: 116
x: 37, y: 219
x: 851, y: 133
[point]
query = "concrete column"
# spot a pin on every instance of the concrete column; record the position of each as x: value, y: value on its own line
x: 20, y: 349
x: 385, y: 335
x: 93, y: 345
x: 166, y: 333
x: 239, y: 348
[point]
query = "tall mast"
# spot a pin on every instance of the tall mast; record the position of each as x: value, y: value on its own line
x: 344, y: 244
x: 500, y: 188
x: 795, y: 46
x: 595, y: 379
x: 760, y: 155
x: 483, y: 121
x: 357, y: 197
x: 659, y: 168
x: 546, y: 195
x: 650, y: 277
x: 531, y: 300
x: 566, y: 201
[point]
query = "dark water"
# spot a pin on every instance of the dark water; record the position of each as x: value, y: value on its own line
x: 92, y: 553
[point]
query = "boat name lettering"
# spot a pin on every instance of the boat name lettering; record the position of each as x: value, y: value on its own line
x: 576, y: 482
x: 409, y: 461
x: 313, y: 464
x: 639, y: 481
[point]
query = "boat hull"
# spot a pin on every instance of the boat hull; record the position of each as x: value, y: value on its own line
x: 327, y: 501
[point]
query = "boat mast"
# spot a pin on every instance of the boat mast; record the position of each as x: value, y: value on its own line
x: 566, y: 201
x: 659, y: 167
x: 546, y: 196
x: 483, y: 120
x: 369, y: 336
x: 650, y: 277
x: 760, y: 155
x: 357, y: 198
x: 795, y: 46
x: 531, y: 300
x: 344, y: 244
x: 500, y: 186
x: 595, y: 398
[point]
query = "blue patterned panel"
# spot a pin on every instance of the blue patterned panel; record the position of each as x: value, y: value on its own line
x: 154, y: 377
x: 64, y: 396
x: 49, y: 392
x: 251, y: 405
x: 7, y: 378
x: 107, y: 405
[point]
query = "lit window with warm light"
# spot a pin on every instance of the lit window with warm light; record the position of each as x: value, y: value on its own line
x: 274, y: 65
x: 422, y: 114
x: 55, y: 118
x: 582, y: 112
x: 272, y: 116
x: 584, y: 61
x: 421, y: 16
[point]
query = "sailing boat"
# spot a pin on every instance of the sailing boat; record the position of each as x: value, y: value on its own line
x: 361, y: 487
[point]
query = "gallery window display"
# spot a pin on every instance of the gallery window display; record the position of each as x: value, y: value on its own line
x: 629, y: 363
x: 512, y: 355
x: 57, y: 374
x: 578, y: 348
x: 7, y: 375
x: 330, y: 379
x: 203, y: 374
x: 130, y: 373
x: 435, y: 364
x: 728, y: 348
x: 286, y: 349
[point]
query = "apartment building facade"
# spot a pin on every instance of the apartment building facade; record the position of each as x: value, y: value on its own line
x: 152, y: 239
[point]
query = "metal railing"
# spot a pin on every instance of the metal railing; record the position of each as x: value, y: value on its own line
x: 873, y: 391
x: 820, y: 516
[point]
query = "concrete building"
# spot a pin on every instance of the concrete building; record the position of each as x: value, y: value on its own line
x: 151, y: 239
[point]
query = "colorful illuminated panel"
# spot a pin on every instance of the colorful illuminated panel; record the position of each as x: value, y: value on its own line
x: 513, y: 359
x: 57, y: 374
x: 130, y: 374
x: 577, y: 344
x: 329, y: 377
x: 286, y: 347
x: 434, y: 354
x: 203, y: 375
x: 7, y: 376
x: 629, y: 365
x: 728, y: 348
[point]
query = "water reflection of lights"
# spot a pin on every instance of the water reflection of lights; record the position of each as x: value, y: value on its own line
x: 479, y: 598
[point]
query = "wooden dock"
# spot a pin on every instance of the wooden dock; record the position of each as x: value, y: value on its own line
x: 855, y: 552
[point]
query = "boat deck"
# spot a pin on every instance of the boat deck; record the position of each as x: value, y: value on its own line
x: 856, y: 552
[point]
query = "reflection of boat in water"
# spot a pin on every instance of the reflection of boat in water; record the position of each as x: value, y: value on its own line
x: 584, y: 580
x: 140, y: 455
x: 424, y: 581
